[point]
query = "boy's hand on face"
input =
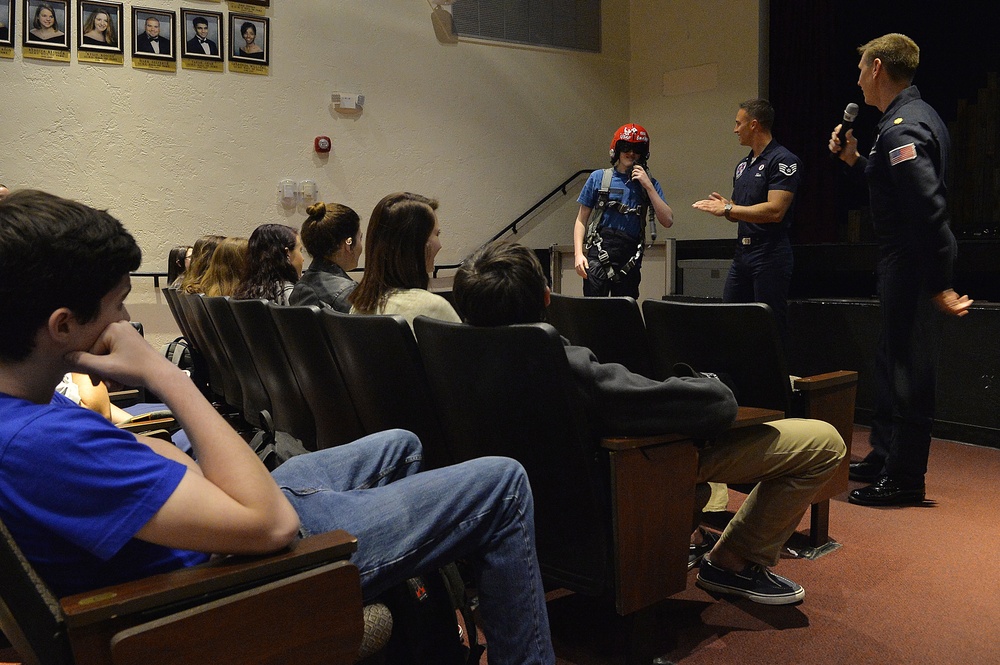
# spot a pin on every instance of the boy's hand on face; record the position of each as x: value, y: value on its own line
x: 120, y: 354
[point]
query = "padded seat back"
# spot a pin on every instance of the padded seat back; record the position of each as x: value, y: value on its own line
x: 379, y: 361
x: 611, y: 327
x: 509, y: 391
x: 317, y: 373
x: 256, y: 400
x: 738, y: 341
x: 289, y: 411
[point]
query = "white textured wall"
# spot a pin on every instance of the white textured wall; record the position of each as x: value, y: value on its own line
x: 708, y: 52
x: 487, y: 129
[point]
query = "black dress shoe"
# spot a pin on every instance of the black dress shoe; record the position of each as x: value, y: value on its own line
x: 865, y: 471
x: 887, y: 492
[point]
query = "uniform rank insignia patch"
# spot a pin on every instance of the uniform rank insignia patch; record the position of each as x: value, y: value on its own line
x: 788, y: 169
x: 902, y: 154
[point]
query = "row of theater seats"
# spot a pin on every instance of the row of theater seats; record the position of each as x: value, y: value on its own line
x: 612, y: 516
x: 611, y: 524
x: 738, y: 342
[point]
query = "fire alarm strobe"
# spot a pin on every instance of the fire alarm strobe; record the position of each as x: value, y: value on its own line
x: 322, y: 144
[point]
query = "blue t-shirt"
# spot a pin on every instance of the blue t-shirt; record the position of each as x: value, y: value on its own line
x: 75, y: 489
x: 624, y: 189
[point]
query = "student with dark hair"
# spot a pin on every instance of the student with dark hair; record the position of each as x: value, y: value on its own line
x: 274, y: 264
x: 251, y: 48
x: 150, y: 40
x: 790, y: 460
x: 403, y: 239
x: 92, y: 505
x: 200, y: 44
x: 332, y: 237
x: 178, y: 261
x: 201, y: 256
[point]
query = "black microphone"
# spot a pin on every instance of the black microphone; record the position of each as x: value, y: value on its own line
x: 641, y: 163
x: 850, y: 113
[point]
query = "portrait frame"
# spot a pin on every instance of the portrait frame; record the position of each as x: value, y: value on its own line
x: 8, y: 19
x: 166, y: 19
x: 62, y: 14
x: 85, y: 11
x: 262, y: 29
x: 216, y: 34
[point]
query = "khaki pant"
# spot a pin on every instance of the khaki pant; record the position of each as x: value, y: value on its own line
x: 790, y: 460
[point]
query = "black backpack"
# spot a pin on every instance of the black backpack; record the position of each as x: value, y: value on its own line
x: 179, y: 354
x: 425, y: 628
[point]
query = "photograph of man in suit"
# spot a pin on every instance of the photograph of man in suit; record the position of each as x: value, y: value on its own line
x: 150, y: 40
x: 200, y: 44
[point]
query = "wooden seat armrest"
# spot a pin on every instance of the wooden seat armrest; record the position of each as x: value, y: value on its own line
x: 827, y: 380
x: 142, y: 426
x: 631, y: 442
x: 213, y: 577
x: 125, y: 397
x: 745, y: 417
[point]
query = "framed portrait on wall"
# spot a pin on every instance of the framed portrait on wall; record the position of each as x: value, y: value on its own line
x: 7, y: 15
x: 154, y: 33
x: 47, y: 24
x: 204, y: 36
x: 249, y: 41
x: 100, y: 26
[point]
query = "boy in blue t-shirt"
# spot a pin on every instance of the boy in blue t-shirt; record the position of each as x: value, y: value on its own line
x: 91, y: 505
x: 609, y: 256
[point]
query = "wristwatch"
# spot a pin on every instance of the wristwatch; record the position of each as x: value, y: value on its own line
x: 726, y: 209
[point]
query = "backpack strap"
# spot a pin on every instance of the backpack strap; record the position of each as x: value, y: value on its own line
x: 601, y: 207
x: 594, y: 225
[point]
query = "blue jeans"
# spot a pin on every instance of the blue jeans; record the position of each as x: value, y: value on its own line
x: 761, y: 272
x: 408, y: 523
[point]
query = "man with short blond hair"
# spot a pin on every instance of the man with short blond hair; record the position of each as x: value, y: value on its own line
x: 905, y: 171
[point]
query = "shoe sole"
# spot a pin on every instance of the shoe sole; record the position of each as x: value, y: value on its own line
x: 914, y: 501
x: 763, y: 599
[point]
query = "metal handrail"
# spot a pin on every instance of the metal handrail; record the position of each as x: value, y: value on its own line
x: 155, y: 275
x: 513, y: 225
x: 510, y: 227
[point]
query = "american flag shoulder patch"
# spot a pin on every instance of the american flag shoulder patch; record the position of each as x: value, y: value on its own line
x: 902, y: 154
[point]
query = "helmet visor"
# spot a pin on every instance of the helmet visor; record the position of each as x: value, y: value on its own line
x: 640, y: 148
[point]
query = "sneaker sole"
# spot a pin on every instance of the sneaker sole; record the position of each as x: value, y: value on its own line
x: 763, y: 599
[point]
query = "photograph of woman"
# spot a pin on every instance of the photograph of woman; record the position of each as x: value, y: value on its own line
x: 253, y: 45
x: 45, y: 23
x: 100, y: 27
x: 250, y: 50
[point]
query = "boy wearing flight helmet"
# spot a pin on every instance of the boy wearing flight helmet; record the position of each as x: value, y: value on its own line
x: 615, y: 204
